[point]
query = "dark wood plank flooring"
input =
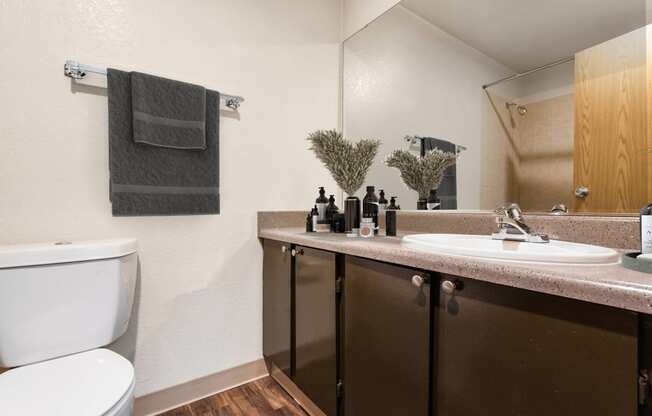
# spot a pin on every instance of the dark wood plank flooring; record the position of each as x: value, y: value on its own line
x: 263, y: 397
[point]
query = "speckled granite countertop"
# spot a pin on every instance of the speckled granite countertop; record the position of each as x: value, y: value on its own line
x: 610, y: 285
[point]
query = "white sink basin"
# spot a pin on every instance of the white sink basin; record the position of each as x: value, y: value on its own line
x: 482, y: 246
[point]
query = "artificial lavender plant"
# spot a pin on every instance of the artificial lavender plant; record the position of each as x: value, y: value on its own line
x: 421, y: 174
x: 348, y: 162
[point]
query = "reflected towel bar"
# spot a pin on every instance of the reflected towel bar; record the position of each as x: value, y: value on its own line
x: 415, y: 139
x: 75, y: 70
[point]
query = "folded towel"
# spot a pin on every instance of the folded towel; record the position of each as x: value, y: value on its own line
x: 168, y: 113
x: 149, y: 180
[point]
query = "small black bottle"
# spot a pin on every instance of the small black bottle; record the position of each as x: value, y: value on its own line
x: 370, y: 206
x: 433, y: 202
x: 392, y: 204
x: 309, y: 228
x: 331, y: 209
x: 382, y: 202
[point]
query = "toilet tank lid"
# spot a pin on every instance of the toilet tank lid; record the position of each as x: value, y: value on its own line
x: 24, y: 255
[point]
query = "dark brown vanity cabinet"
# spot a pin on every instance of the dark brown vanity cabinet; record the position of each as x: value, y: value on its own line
x: 277, y: 304
x: 506, y: 351
x: 299, y: 320
x: 386, y: 339
x: 406, y: 342
x: 315, y: 334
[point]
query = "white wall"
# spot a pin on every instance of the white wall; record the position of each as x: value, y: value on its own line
x: 200, y: 305
x: 356, y: 14
x: 402, y: 75
x: 550, y: 83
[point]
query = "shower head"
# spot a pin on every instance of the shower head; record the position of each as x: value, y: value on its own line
x: 522, y: 110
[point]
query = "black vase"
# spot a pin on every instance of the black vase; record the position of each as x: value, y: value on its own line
x: 422, y: 204
x: 351, y: 213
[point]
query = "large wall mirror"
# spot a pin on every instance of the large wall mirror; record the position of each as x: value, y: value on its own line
x: 570, y: 129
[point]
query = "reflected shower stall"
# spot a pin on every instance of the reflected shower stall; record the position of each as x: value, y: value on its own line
x: 534, y: 149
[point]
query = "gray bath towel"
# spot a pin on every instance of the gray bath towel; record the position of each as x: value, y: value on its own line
x: 149, y: 180
x: 447, y: 191
x: 168, y: 113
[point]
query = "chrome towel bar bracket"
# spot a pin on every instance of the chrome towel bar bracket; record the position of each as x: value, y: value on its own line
x: 75, y: 70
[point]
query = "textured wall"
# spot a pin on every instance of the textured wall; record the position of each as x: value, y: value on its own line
x: 200, y: 302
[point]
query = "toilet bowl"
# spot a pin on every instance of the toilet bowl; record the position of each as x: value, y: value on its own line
x: 93, y: 383
x: 59, y: 303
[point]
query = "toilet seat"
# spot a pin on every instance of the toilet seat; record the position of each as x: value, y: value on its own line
x: 93, y: 383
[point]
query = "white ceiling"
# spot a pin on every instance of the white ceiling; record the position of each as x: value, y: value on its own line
x: 524, y: 34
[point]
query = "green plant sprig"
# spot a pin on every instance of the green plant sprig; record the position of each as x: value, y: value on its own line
x: 421, y: 174
x: 347, y: 162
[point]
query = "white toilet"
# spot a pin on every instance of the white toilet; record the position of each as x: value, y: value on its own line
x: 59, y: 303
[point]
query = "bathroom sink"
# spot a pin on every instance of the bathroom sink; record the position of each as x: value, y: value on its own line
x: 483, y: 246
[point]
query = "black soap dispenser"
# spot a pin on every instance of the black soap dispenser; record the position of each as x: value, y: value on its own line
x: 321, y: 203
x: 382, y: 202
x: 331, y: 209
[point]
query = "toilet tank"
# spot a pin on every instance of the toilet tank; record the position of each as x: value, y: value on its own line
x: 65, y: 297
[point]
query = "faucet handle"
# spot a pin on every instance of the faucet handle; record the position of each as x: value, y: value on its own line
x: 501, y: 210
x: 510, y: 210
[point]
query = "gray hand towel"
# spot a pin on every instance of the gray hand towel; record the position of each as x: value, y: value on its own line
x: 447, y: 191
x: 168, y: 113
x: 149, y: 180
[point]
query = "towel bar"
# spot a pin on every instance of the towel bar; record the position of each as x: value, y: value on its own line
x: 75, y: 70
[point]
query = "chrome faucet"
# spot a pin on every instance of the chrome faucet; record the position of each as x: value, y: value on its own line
x: 511, y: 226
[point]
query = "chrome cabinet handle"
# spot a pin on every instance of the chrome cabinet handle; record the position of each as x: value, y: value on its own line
x: 448, y: 286
x: 297, y: 252
x: 582, y: 191
x: 418, y: 281
x: 284, y: 249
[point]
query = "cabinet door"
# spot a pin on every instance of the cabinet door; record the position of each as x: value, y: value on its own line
x: 504, y: 351
x: 277, y: 318
x: 316, y: 346
x: 386, y: 339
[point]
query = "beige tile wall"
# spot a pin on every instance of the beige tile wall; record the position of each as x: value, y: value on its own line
x: 545, y: 148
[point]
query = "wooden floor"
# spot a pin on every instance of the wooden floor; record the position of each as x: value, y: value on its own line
x: 262, y: 397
